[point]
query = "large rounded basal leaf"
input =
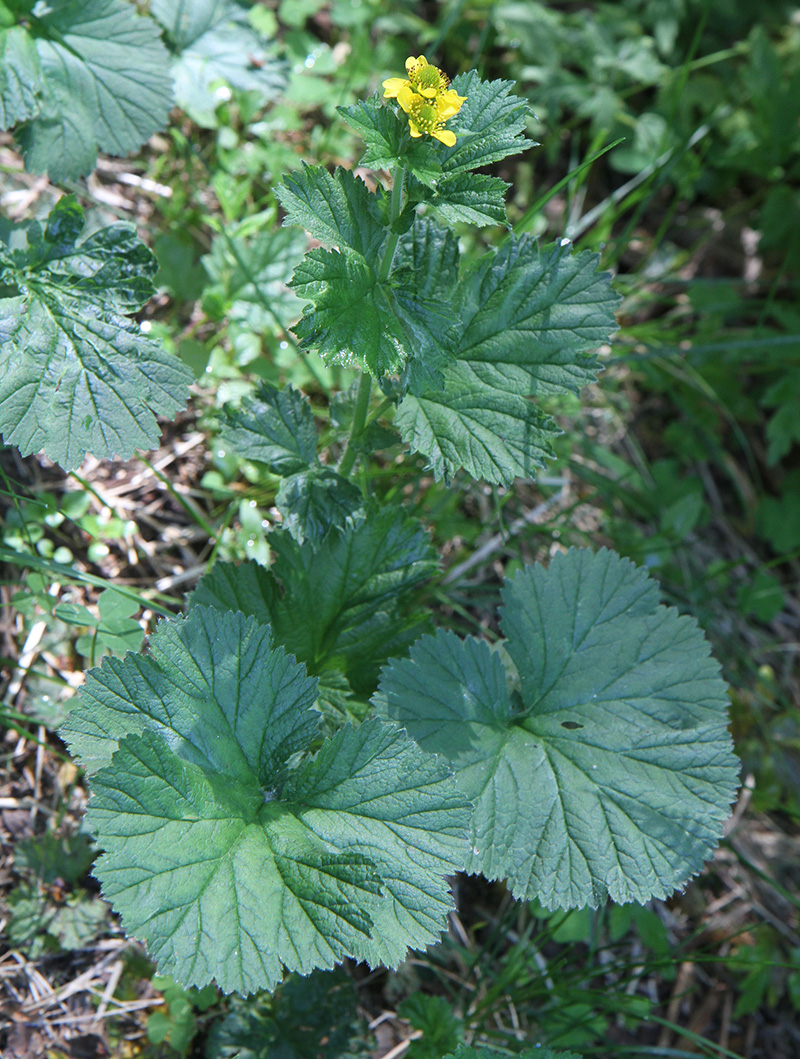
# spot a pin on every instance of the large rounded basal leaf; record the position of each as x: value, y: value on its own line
x: 220, y: 884
x: 593, y: 743
x: 231, y: 851
x: 214, y: 685
x: 105, y: 85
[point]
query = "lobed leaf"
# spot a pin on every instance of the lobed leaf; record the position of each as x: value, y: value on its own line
x: 470, y: 198
x: 104, y: 85
x: 597, y: 755
x: 336, y: 208
x: 274, y: 426
x: 75, y: 375
x: 528, y: 320
x: 338, y: 603
x: 489, y: 126
x: 231, y: 859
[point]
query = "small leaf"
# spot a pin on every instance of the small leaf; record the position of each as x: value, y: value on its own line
x: 489, y: 126
x: 306, y: 1018
x: 314, y: 501
x: 104, y: 86
x: 75, y: 374
x: 434, y: 1016
x: 336, y: 208
x: 213, y: 41
x: 388, y: 142
x: 273, y: 426
x: 74, y: 614
x: 604, y: 768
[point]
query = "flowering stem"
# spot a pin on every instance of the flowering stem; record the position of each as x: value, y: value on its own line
x: 365, y: 382
x: 396, y: 203
x: 357, y: 427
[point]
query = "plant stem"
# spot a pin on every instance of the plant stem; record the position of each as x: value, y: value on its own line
x: 359, y: 421
x: 396, y: 202
x: 365, y: 382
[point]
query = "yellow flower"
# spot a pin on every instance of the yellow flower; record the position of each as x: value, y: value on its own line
x: 426, y: 98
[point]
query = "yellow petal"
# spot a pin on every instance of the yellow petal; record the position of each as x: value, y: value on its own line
x: 449, y: 103
x: 392, y: 86
x: 444, y: 136
x: 406, y: 98
x: 413, y: 129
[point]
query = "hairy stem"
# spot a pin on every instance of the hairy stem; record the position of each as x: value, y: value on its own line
x: 365, y: 383
x: 359, y: 421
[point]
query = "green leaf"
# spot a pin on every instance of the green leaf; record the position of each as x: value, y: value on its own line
x: 232, y: 890
x: 273, y: 426
x: 353, y: 320
x: 208, y: 665
x: 306, y: 1018
x: 468, y: 198
x: 380, y: 327
x: 104, y: 85
x: 529, y: 317
x: 389, y: 143
x: 20, y: 74
x: 336, y: 208
x: 229, y: 858
x: 76, y: 375
x: 489, y: 126
x: 314, y: 501
x: 250, y: 276
x: 434, y: 1016
x: 404, y: 812
x: 339, y: 603
x: 602, y: 767
x: 214, y: 41
x: 51, y: 857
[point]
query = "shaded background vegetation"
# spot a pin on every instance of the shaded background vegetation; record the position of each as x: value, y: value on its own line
x: 684, y: 457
